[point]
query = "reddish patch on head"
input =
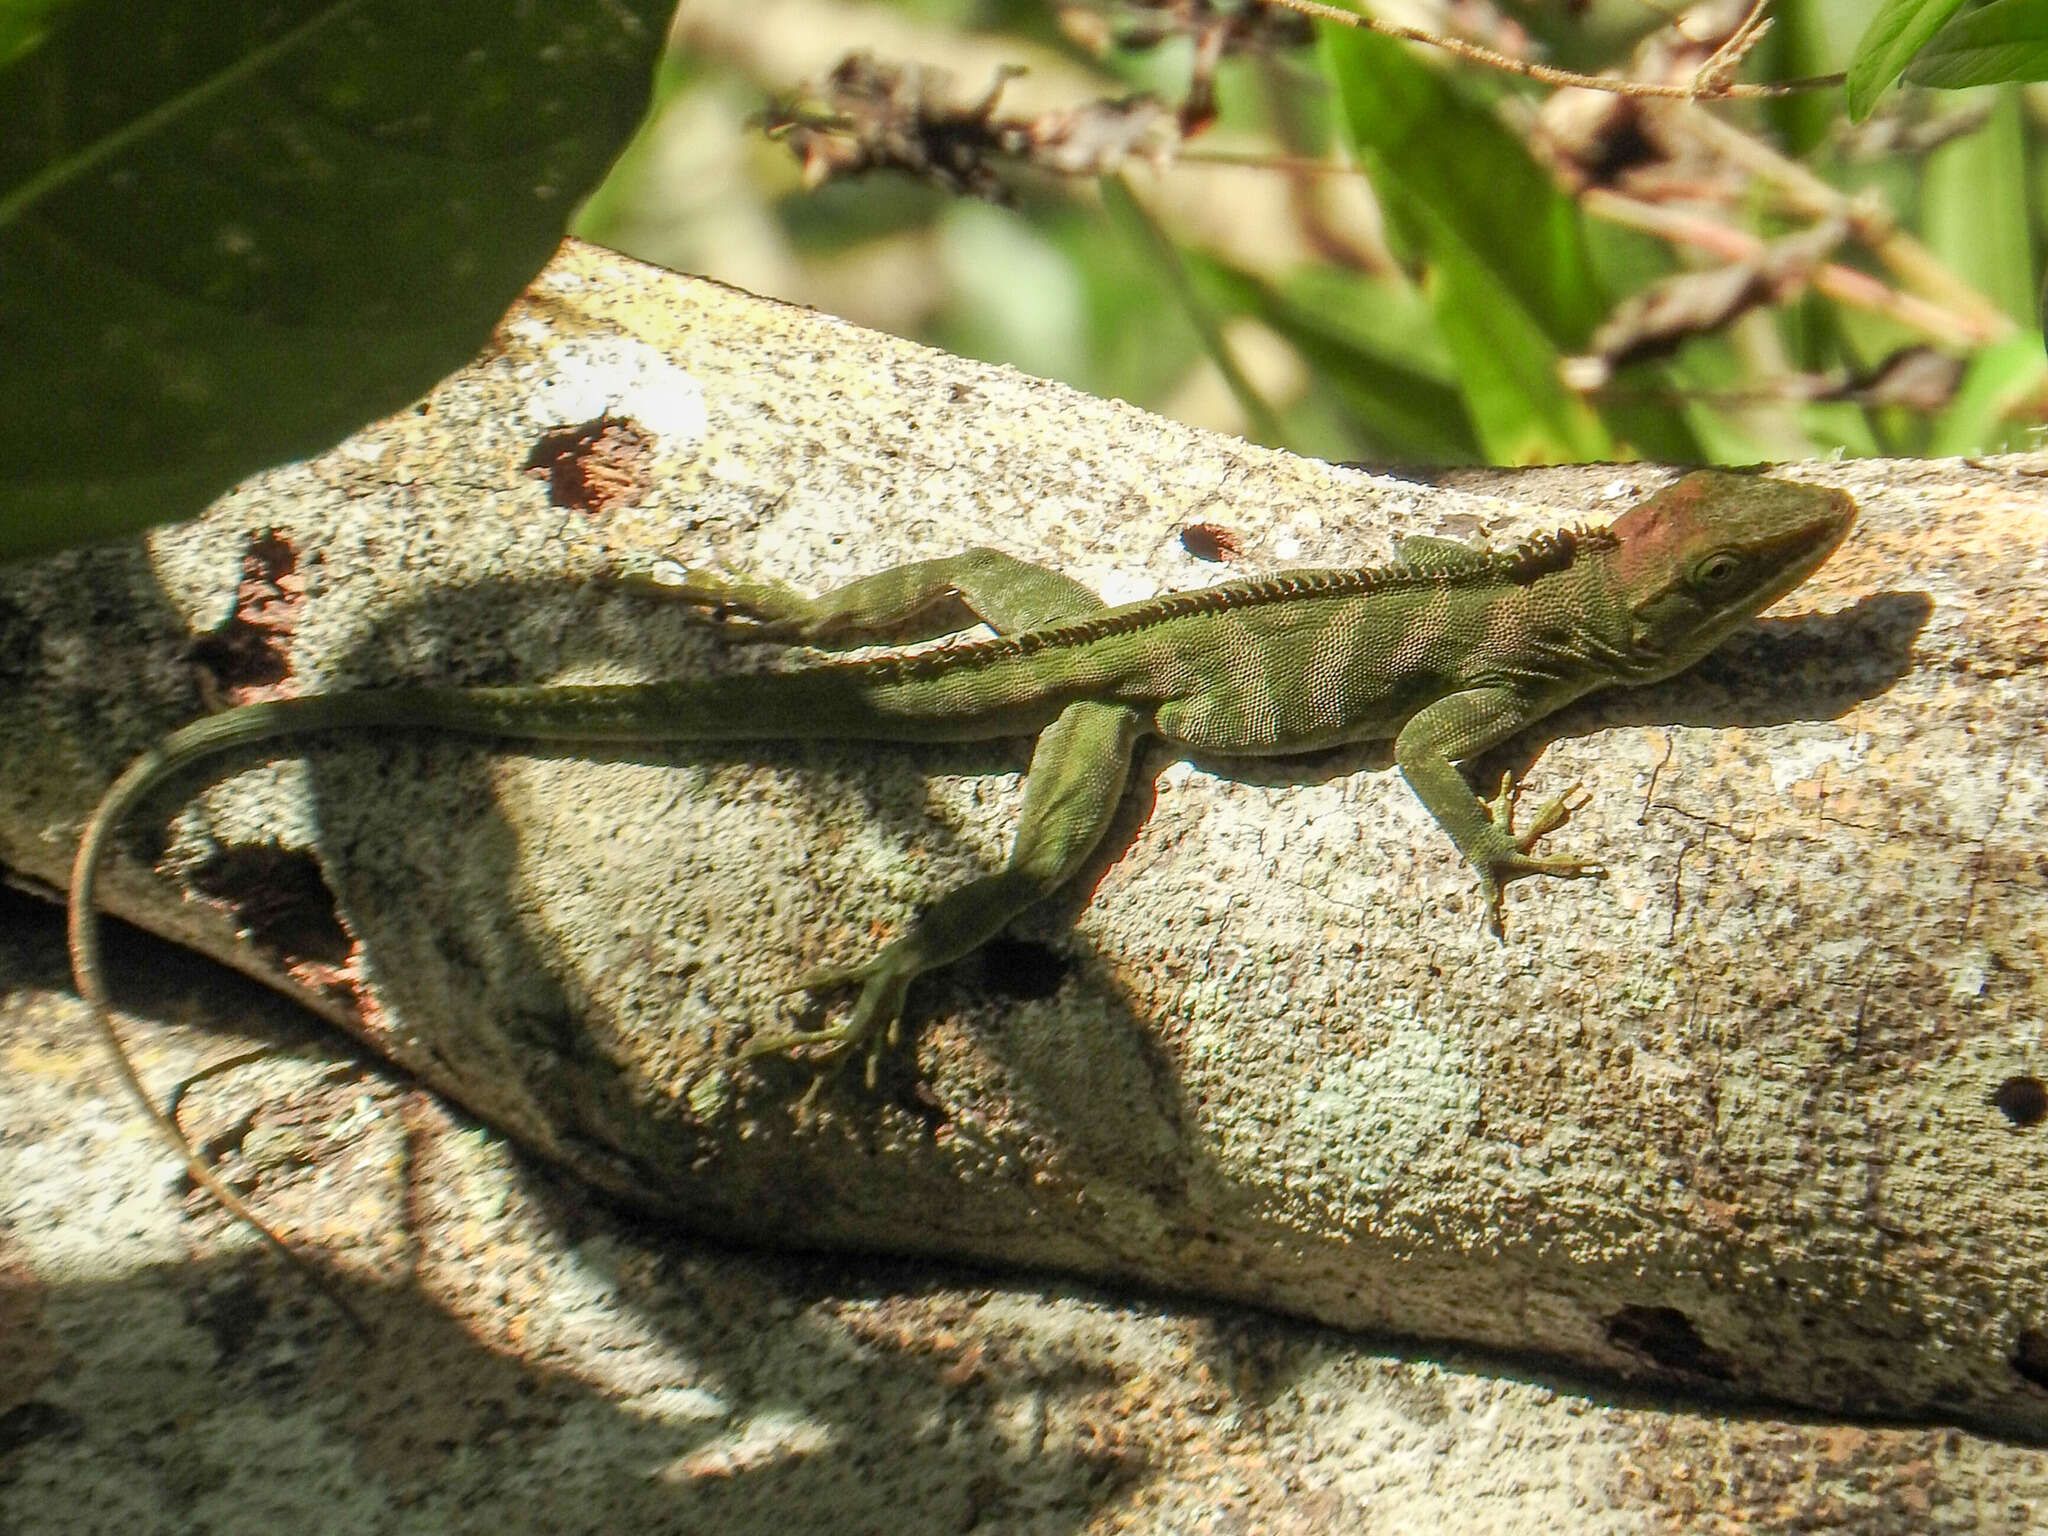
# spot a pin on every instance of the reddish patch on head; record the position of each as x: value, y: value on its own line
x: 1651, y: 531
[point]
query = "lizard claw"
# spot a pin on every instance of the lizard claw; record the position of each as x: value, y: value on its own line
x: 1518, y: 858
x: 874, y: 1028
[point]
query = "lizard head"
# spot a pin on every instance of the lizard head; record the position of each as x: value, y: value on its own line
x: 1702, y: 557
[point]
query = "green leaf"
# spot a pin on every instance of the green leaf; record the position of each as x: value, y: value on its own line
x: 1374, y: 350
x: 1263, y: 423
x: 24, y: 24
x: 1990, y: 411
x: 1508, y: 369
x: 1449, y: 171
x: 2005, y: 40
x: 1510, y: 281
x: 232, y: 231
x: 1888, y: 44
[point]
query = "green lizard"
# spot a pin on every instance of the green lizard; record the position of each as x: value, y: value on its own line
x: 1448, y: 651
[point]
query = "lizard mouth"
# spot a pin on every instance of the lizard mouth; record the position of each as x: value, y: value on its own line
x: 1798, y: 552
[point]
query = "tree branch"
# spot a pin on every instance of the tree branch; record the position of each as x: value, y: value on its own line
x: 1729, y: 1119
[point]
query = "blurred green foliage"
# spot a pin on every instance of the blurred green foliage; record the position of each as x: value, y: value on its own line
x: 1454, y: 349
x: 251, y: 226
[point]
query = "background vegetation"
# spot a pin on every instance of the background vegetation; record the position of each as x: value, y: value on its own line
x: 233, y: 230
x: 1380, y: 251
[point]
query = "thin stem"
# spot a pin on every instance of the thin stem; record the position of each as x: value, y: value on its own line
x: 1844, y: 284
x: 1263, y: 421
x: 1727, y: 58
x: 1874, y: 226
x: 1703, y: 86
x: 1256, y: 160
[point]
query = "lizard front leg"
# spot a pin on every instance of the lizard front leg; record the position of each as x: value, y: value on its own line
x: 1076, y: 780
x: 900, y: 603
x: 1462, y: 725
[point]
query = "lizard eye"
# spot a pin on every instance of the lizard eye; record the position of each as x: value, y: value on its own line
x: 1717, y: 570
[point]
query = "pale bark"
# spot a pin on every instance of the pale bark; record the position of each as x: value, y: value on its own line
x: 543, y: 1365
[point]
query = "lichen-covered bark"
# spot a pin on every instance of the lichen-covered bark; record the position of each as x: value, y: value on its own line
x: 544, y: 1364
x: 1730, y: 1120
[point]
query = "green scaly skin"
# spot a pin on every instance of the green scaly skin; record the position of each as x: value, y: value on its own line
x: 1446, y: 652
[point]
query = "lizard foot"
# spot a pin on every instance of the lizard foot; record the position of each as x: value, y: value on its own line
x: 873, y: 1028
x: 1517, y: 857
x: 760, y: 606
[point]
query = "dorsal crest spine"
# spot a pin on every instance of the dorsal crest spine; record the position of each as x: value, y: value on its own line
x: 1518, y: 565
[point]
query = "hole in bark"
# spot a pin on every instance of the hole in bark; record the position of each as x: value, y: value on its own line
x: 1666, y: 1337
x: 1211, y: 541
x: 2030, y: 1357
x: 26, y: 1423
x: 231, y: 1313
x: 1021, y: 969
x: 280, y: 897
x: 596, y: 465
x: 249, y: 649
x: 2022, y: 1100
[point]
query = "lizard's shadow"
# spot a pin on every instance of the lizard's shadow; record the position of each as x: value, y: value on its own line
x: 491, y: 1004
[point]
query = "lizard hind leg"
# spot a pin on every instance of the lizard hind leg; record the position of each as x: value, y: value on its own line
x: 902, y: 603
x: 1076, y: 781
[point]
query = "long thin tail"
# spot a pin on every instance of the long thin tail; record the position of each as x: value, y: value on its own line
x: 464, y: 710
x: 845, y: 701
x: 836, y: 701
x: 203, y: 739
x: 734, y: 707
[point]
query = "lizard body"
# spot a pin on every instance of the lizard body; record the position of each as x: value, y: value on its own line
x: 1447, y: 652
